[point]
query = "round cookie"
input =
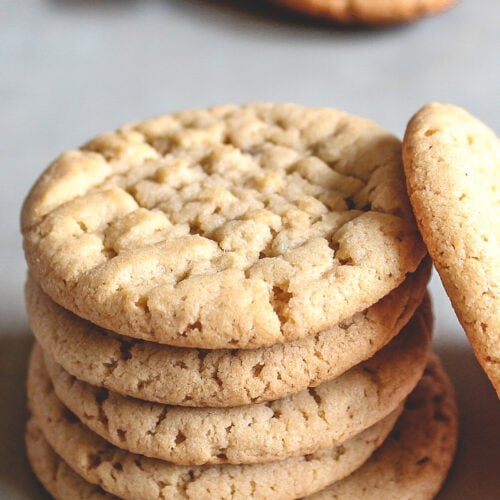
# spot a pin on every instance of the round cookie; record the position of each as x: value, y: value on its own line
x: 452, y: 164
x: 322, y: 417
x: 183, y: 376
x: 55, y: 475
x: 413, y: 462
x: 134, y: 476
x: 233, y: 227
x: 369, y: 11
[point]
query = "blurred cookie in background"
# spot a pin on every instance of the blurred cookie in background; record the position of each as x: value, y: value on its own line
x: 374, y: 12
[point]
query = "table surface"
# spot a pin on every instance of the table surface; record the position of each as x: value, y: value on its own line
x: 72, y: 68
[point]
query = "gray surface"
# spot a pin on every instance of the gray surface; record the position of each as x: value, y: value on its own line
x: 70, y: 69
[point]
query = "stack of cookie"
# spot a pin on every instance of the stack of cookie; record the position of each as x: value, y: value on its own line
x: 231, y: 304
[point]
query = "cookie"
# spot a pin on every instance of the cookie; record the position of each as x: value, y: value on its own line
x: 414, y: 460
x: 132, y: 476
x: 369, y: 11
x: 411, y: 463
x: 452, y: 164
x: 233, y: 227
x: 152, y: 479
x: 54, y: 474
x: 328, y: 414
x: 182, y: 376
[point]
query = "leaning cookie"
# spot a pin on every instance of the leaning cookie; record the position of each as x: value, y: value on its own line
x: 452, y: 164
x: 233, y: 227
x: 369, y: 11
x: 193, y: 377
x: 321, y: 417
x: 415, y: 458
x: 132, y: 476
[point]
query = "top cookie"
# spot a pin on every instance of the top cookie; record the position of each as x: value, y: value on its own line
x: 234, y: 227
x: 369, y: 11
x: 452, y: 164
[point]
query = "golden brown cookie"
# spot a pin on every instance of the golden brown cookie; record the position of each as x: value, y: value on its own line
x: 233, y: 227
x: 413, y: 462
x: 297, y: 425
x: 193, y: 377
x: 369, y: 11
x: 452, y: 164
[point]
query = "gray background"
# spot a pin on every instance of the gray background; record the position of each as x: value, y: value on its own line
x: 70, y: 69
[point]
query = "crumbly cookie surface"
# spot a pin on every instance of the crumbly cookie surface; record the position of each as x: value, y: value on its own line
x: 132, y: 476
x: 234, y: 227
x: 193, y: 377
x: 300, y: 424
x: 414, y: 460
x: 369, y: 11
x: 452, y: 164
